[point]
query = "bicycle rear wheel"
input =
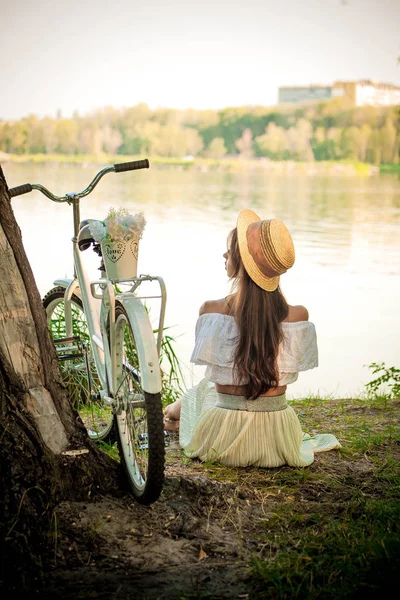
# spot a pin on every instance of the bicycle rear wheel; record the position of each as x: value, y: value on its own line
x: 139, y: 420
x: 77, y: 364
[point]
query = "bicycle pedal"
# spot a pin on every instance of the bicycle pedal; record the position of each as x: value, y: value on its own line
x: 69, y: 348
x: 66, y: 339
x: 69, y: 356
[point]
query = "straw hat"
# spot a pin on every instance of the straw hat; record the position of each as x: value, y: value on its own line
x: 266, y: 249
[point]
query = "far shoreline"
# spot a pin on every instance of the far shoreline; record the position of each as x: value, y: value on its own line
x: 226, y: 164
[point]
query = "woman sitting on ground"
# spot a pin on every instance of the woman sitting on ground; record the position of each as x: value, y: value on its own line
x: 253, y: 344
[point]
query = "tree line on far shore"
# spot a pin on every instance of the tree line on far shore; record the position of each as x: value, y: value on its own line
x: 325, y: 130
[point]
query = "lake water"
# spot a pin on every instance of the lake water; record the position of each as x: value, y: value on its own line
x: 345, y: 229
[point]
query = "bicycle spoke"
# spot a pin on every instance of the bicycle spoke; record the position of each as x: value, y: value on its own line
x: 76, y: 363
x: 139, y: 422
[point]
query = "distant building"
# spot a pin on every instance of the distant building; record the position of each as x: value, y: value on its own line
x: 358, y: 93
x: 304, y: 93
x: 367, y: 91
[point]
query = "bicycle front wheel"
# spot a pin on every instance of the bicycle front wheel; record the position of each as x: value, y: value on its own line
x: 77, y: 364
x: 139, y: 420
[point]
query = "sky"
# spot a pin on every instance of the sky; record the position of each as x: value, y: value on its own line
x: 82, y: 55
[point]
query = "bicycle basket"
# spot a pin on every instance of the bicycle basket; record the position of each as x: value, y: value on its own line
x: 120, y: 258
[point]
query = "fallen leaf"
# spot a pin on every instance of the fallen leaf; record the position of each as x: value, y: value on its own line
x: 202, y: 554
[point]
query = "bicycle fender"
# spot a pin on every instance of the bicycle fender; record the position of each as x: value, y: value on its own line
x: 65, y: 283
x: 149, y: 361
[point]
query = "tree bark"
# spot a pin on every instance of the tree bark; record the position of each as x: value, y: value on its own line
x: 45, y: 453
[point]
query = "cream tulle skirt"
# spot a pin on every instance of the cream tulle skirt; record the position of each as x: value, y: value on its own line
x: 240, y: 438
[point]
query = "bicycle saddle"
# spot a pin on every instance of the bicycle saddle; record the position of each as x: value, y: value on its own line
x: 85, y: 238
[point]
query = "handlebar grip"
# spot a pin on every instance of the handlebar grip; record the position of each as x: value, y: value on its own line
x: 132, y: 166
x: 20, y: 189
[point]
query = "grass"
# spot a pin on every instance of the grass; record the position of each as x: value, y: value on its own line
x: 335, y: 557
x: 330, y: 530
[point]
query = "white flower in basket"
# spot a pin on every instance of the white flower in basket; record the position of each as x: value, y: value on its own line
x: 119, y: 236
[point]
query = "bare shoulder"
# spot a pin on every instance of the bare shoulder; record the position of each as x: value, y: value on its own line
x: 213, y: 306
x: 297, y: 313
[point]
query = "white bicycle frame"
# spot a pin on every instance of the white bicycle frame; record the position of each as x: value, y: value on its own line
x: 98, y: 299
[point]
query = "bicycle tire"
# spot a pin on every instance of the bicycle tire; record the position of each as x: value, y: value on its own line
x: 96, y: 415
x: 139, y: 424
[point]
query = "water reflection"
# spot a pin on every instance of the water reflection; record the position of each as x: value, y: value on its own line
x: 345, y: 231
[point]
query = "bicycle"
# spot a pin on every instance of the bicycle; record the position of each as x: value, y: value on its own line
x: 108, y: 353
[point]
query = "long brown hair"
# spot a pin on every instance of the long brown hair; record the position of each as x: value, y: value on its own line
x: 258, y: 315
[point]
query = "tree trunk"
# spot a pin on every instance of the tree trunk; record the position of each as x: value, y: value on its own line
x: 40, y: 432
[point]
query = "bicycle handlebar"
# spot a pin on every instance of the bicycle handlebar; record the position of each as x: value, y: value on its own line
x: 132, y: 166
x: 117, y: 168
x: 20, y: 189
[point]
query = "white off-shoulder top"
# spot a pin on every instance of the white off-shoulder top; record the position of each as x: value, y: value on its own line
x: 216, y: 337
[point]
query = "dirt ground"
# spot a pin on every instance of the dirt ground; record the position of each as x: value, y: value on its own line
x: 186, y: 545
x: 196, y: 541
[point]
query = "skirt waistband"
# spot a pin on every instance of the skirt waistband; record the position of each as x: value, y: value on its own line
x: 260, y: 404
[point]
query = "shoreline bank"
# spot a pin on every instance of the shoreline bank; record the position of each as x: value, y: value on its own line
x: 228, y: 164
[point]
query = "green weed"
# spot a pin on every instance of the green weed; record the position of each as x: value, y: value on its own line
x: 389, y: 377
x: 333, y: 556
